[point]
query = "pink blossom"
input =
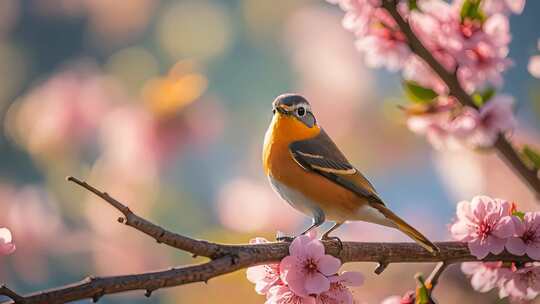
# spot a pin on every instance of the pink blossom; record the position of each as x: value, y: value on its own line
x: 384, y: 45
x: 407, y: 298
x: 527, y: 236
x: 448, y: 126
x: 484, y: 54
x: 338, y: 292
x: 358, y: 14
x: 282, y: 294
x: 484, y: 223
x: 503, y: 6
x: 379, y: 39
x: 307, y: 268
x: 534, y: 66
x: 263, y: 276
x: 6, y: 246
x: 496, y: 116
x: 415, y: 69
x: 438, y: 27
x: 392, y: 300
x: 442, y: 126
x: 435, y: 127
x: 522, y: 284
x: 485, y: 275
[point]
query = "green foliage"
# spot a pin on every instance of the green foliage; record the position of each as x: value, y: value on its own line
x: 422, y: 292
x: 471, y: 10
x: 532, y: 156
x: 413, y: 5
x: 519, y: 214
x: 481, y: 98
x: 417, y: 93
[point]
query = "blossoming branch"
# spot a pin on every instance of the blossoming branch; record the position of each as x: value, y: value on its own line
x: 452, y: 56
x: 225, y: 259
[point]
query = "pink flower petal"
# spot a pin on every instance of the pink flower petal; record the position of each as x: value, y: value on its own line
x: 494, y: 244
x: 5, y: 235
x: 505, y: 227
x: 314, y: 249
x: 297, y: 282
x: 316, y: 283
x: 478, y: 250
x: 351, y: 278
x: 533, y: 251
x: 460, y: 231
x: 256, y: 273
x: 516, y: 246
x: 298, y: 244
x: 6, y: 249
x: 470, y: 268
x: 288, y: 265
x: 463, y: 210
x: 478, y: 206
x: 328, y: 265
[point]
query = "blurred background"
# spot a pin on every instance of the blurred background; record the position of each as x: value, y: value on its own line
x: 164, y: 105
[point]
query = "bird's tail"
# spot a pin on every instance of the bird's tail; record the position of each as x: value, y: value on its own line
x: 407, y: 229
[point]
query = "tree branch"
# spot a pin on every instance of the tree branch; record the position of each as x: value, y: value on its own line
x: 230, y: 258
x: 502, y: 145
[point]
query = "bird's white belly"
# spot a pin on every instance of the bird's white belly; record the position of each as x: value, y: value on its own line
x: 295, y: 198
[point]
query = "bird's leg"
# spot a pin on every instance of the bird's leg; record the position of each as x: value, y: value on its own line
x: 318, y: 219
x: 326, y: 235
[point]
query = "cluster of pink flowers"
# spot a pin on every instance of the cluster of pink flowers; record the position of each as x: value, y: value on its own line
x: 6, y: 245
x: 474, y: 45
x: 445, y: 127
x: 489, y: 226
x: 307, y: 275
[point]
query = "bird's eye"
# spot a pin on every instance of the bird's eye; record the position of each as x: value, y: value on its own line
x: 301, y: 111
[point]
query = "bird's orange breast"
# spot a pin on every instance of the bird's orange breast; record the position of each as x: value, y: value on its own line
x: 337, y: 202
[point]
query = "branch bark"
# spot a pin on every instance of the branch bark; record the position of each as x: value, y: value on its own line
x: 504, y: 148
x: 229, y: 258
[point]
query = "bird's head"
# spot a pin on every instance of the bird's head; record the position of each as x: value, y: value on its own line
x: 295, y: 109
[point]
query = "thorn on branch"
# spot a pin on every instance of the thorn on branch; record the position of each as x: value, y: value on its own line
x: 381, y: 267
x: 234, y: 259
x: 18, y: 299
x: 96, y: 297
x: 159, y: 237
x: 148, y: 293
x: 121, y: 220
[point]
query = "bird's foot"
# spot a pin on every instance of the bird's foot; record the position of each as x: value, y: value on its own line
x: 335, y: 239
x: 280, y: 237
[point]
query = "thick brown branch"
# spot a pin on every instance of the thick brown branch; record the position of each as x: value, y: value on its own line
x: 503, y: 147
x: 249, y: 255
x: 229, y: 258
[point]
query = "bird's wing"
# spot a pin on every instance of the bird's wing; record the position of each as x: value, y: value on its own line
x: 321, y: 155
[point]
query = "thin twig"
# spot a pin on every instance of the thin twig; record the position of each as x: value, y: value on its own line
x: 502, y: 145
x: 5, y: 291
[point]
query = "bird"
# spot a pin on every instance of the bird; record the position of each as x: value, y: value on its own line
x: 307, y: 169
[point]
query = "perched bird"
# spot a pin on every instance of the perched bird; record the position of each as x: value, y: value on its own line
x: 308, y: 171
